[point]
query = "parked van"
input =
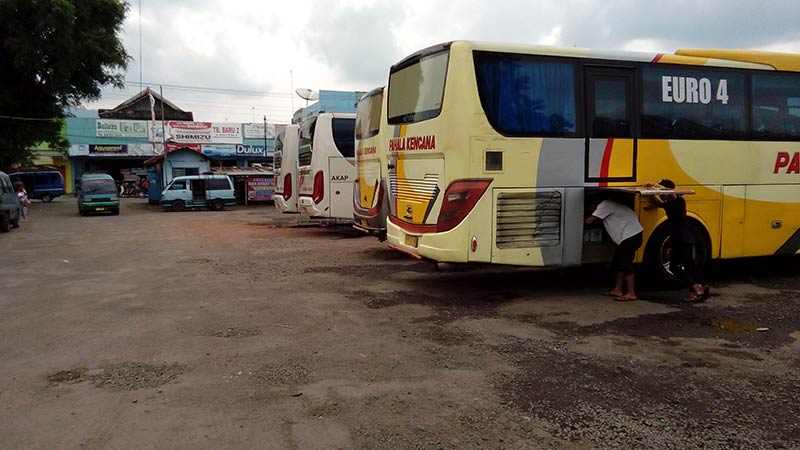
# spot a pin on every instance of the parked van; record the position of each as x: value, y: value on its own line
x: 97, y: 193
x: 43, y: 185
x: 193, y: 191
x: 10, y: 209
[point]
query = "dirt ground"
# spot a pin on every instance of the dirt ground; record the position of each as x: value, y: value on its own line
x: 238, y: 330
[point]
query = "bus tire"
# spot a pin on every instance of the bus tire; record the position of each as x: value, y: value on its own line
x: 217, y: 204
x: 656, y: 255
x: 5, y: 224
x: 47, y: 198
x: 178, y: 205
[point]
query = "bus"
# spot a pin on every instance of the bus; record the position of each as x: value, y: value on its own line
x: 327, y: 166
x: 370, y: 196
x: 286, y: 179
x: 495, y: 148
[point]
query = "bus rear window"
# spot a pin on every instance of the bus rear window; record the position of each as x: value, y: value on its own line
x: 344, y: 136
x: 416, y: 91
x: 277, y: 157
x: 368, y: 116
x: 527, y: 96
x: 307, y: 130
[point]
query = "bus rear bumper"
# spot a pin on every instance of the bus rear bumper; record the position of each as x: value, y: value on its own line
x: 284, y: 206
x: 431, y: 246
x: 307, y: 207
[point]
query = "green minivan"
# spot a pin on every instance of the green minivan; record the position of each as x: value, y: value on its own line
x: 98, y: 193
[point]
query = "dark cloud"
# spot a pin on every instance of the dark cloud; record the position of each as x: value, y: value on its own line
x: 356, y: 42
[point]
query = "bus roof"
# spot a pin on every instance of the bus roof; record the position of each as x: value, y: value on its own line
x: 744, y: 59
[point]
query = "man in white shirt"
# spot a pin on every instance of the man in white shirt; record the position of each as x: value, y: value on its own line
x: 623, y: 226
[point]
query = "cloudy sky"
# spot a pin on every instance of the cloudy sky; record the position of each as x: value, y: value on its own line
x: 235, y: 60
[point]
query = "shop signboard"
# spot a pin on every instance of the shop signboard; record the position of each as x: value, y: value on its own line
x: 78, y: 150
x: 219, y: 150
x: 226, y: 133
x: 250, y: 150
x: 171, y: 147
x: 121, y: 128
x: 189, y: 132
x: 108, y: 149
x: 256, y: 131
x: 260, y: 189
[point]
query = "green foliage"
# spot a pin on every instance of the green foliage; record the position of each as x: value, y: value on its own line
x: 54, y: 54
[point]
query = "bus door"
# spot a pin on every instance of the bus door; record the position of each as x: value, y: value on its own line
x: 610, y: 125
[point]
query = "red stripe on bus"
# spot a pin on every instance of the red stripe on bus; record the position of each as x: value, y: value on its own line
x: 606, y: 161
x: 658, y: 57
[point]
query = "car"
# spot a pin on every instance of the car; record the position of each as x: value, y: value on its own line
x: 44, y: 185
x: 98, y: 193
x: 10, y: 209
x: 193, y: 191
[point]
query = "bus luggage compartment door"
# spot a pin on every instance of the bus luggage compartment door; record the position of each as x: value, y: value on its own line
x: 528, y: 227
x: 342, y: 172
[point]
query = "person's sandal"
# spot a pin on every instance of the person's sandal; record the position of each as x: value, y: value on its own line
x: 704, y: 296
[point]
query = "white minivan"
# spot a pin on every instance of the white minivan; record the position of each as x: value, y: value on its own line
x: 199, y: 191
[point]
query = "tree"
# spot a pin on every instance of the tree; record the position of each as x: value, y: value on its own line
x: 53, y: 54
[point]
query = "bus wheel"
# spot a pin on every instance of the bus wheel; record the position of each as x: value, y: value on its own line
x: 178, y: 205
x: 47, y: 198
x: 659, y: 249
x: 5, y: 224
x: 217, y: 204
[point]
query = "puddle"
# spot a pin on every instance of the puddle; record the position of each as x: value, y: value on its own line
x: 66, y: 376
x: 729, y: 325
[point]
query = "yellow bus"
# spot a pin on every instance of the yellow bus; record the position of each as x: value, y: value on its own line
x: 496, y: 146
x: 370, y: 196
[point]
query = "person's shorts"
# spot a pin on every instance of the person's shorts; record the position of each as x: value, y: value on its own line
x: 625, y: 253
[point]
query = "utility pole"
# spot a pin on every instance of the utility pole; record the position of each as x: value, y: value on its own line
x: 163, y: 139
x: 141, y: 85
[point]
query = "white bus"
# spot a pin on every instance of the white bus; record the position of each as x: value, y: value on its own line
x: 286, y: 179
x: 327, y: 166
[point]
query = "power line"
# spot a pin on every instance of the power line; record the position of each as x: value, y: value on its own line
x: 218, y: 90
x: 40, y: 119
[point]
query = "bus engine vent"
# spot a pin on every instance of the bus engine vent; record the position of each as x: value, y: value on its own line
x: 528, y: 219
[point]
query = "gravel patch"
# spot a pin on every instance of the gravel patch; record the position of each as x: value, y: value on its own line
x: 132, y: 376
x: 232, y: 332
x: 621, y: 404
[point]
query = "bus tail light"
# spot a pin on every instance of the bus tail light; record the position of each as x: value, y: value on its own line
x: 287, y: 186
x: 319, y: 187
x: 459, y: 199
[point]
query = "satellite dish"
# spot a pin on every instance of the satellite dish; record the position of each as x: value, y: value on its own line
x: 307, y: 94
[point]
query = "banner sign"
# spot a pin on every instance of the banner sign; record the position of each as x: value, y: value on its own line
x: 189, y: 132
x: 170, y: 147
x: 250, y: 150
x: 260, y: 189
x: 155, y: 131
x: 256, y: 131
x: 219, y: 149
x: 121, y: 128
x: 226, y: 133
x: 108, y: 149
